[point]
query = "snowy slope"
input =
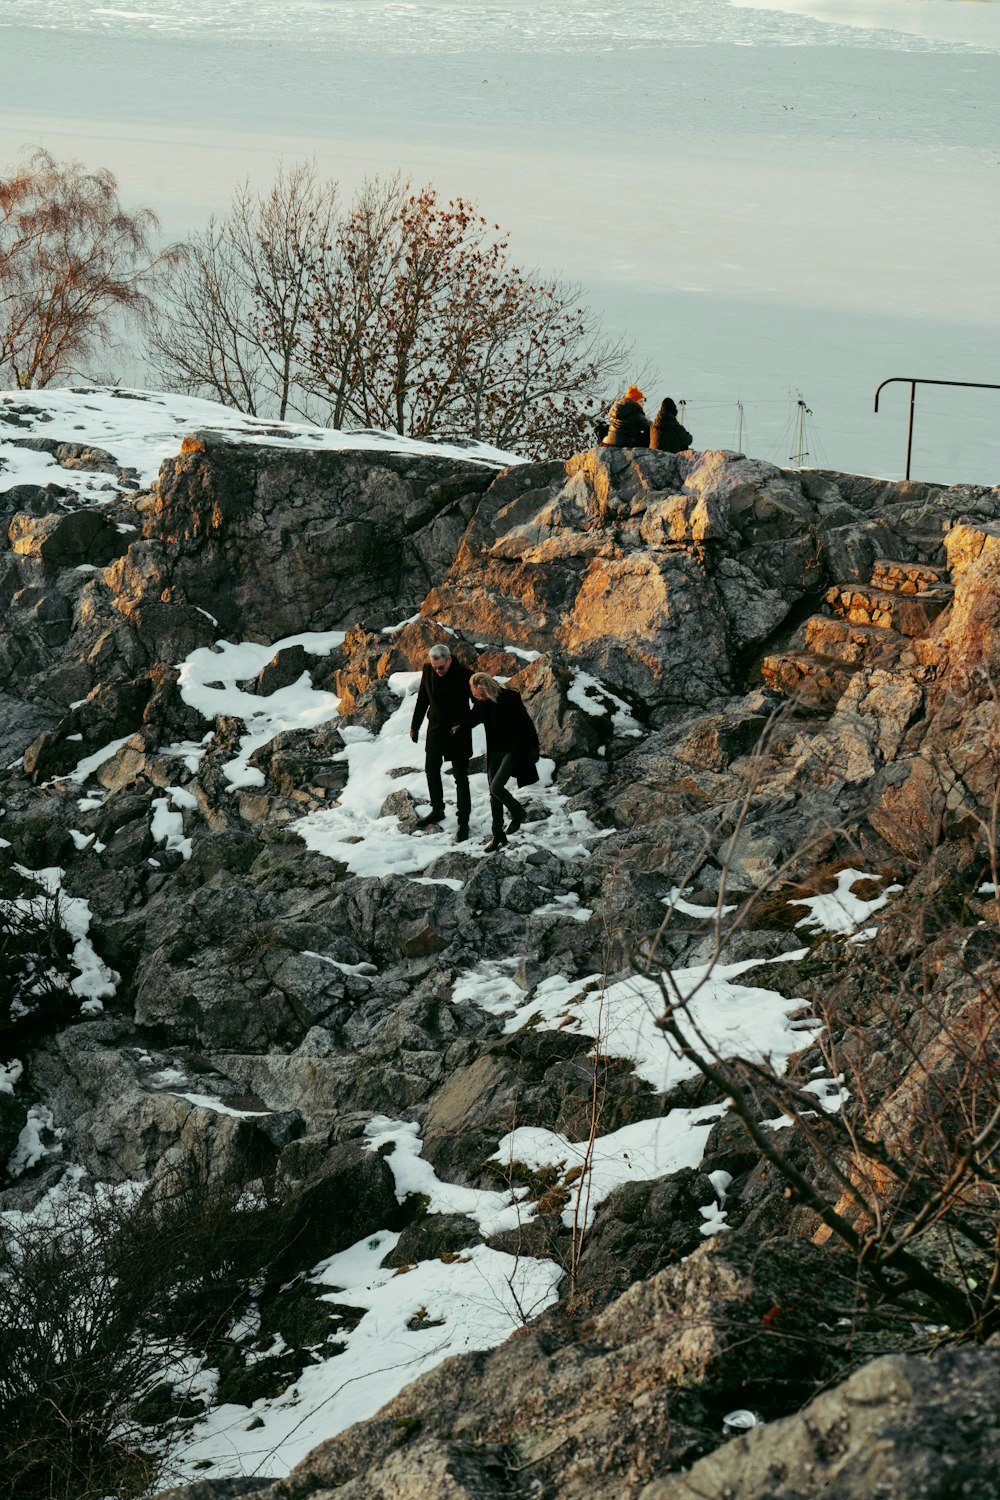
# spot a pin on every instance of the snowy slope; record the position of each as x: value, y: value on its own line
x: 139, y: 429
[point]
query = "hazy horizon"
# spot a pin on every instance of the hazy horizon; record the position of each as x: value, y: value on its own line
x: 765, y: 201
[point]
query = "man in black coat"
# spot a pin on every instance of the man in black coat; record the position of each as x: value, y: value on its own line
x: 444, y: 700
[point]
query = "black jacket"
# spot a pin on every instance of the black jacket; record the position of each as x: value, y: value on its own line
x: 628, y: 426
x: 508, y: 727
x: 667, y: 434
x: 444, y: 701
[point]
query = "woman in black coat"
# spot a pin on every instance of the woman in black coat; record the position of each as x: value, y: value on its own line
x: 667, y: 434
x: 511, y: 750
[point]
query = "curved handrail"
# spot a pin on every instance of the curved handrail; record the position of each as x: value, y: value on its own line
x: 913, y: 381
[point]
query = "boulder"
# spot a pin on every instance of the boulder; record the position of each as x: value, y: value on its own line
x: 902, y: 1426
x: 76, y: 537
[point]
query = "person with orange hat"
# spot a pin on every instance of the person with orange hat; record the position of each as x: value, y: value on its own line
x: 628, y: 425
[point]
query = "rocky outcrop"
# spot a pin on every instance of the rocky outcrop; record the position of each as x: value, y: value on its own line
x: 745, y: 681
x: 581, y: 1420
x: 273, y: 542
x: 900, y: 1427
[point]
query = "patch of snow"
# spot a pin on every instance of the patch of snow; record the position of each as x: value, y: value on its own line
x: 565, y: 905
x: 335, y: 963
x: 11, y: 1074
x: 489, y: 987
x: 38, y: 1139
x: 493, y: 1211
x: 189, y: 751
x: 356, y: 834
x: 167, y: 825
x: 830, y: 1096
x: 472, y: 1301
x: 676, y: 902
x: 168, y: 1076
x: 721, y: 1182
x: 95, y: 982
x: 91, y: 763
x: 599, y: 701
x: 739, y: 1020
x: 395, y: 629
x: 207, y: 1101
x: 209, y: 679
x: 839, y: 910
x: 639, y: 1152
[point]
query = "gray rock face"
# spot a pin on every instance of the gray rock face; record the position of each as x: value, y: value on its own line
x: 276, y: 542
x: 269, y: 1002
x: 900, y: 1427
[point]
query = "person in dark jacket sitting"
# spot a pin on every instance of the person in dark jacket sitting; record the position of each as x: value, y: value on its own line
x: 628, y: 425
x: 511, y: 750
x: 444, y: 700
x: 667, y: 434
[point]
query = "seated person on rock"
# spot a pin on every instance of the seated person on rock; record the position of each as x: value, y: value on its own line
x: 666, y: 433
x: 444, y: 700
x: 628, y: 425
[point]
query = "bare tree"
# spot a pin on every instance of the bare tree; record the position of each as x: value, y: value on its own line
x: 403, y: 312
x: 419, y: 322
x: 73, y: 260
x: 231, y: 320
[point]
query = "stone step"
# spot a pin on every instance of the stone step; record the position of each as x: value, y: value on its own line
x: 910, y: 614
x: 861, y: 645
x: 814, y: 681
x: 908, y: 577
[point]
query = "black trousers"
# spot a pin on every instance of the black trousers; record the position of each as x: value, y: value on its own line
x: 433, y: 762
x: 499, y: 769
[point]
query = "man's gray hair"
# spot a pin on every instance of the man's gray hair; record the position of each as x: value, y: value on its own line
x: 438, y: 653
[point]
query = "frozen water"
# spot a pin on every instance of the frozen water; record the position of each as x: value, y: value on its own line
x: 412, y: 27
x: 768, y: 199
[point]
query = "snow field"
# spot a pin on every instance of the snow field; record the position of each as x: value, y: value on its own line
x: 368, y: 844
x: 209, y: 681
x: 414, y: 1318
x: 140, y: 429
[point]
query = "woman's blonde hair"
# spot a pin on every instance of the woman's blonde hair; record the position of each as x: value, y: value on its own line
x: 485, y: 684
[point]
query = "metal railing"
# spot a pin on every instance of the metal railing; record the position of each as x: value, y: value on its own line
x: 913, y: 381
